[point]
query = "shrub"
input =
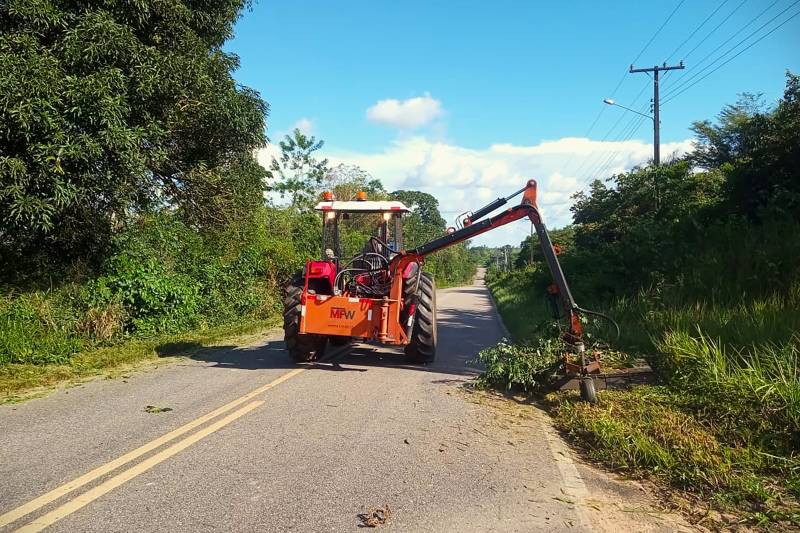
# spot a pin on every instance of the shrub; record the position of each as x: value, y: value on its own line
x: 525, y: 367
x: 162, y: 276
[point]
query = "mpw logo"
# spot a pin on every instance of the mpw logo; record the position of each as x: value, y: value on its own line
x: 341, y: 312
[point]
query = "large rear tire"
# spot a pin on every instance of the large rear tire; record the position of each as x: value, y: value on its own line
x: 422, y: 348
x: 302, y: 347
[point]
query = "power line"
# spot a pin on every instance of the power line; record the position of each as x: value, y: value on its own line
x: 675, y: 95
x: 656, y: 33
x: 625, y: 135
x: 636, y: 123
x: 603, y: 159
x: 681, y: 80
x: 698, y: 28
x: 625, y: 74
x: 709, y: 34
x: 632, y: 128
x: 593, y: 158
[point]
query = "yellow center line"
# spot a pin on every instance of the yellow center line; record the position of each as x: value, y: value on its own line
x: 89, y: 496
x: 58, y: 492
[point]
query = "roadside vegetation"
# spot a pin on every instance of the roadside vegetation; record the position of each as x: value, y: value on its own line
x: 699, y: 262
x: 133, y: 211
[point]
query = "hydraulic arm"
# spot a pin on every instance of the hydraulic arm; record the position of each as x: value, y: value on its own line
x: 473, y: 226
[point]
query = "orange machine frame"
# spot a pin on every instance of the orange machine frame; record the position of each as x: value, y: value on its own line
x: 380, y: 318
x: 362, y: 318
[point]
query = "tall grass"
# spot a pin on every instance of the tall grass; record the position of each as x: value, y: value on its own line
x: 741, y: 358
x: 726, y: 421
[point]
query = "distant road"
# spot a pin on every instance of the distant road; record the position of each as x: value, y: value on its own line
x: 254, y: 443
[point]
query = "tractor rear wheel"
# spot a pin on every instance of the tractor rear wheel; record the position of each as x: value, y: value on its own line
x: 422, y: 348
x: 302, y: 347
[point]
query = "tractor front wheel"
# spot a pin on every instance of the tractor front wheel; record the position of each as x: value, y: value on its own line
x: 302, y: 347
x: 422, y: 348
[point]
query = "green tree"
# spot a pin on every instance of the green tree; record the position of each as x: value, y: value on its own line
x: 564, y: 238
x: 732, y: 136
x: 425, y: 207
x: 766, y: 179
x: 297, y: 173
x: 758, y: 150
x: 109, y: 109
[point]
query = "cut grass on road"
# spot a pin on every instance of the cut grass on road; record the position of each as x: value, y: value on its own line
x: 23, y: 381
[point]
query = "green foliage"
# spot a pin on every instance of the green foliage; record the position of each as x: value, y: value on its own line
x: 425, y: 213
x: 163, y: 276
x: 111, y: 109
x: 762, y: 151
x: 564, y: 238
x: 526, y: 367
x: 34, y: 329
x: 156, y: 300
x: 700, y: 268
x: 754, y: 392
x: 520, y: 301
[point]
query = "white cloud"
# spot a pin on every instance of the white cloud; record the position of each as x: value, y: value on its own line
x: 305, y: 125
x: 406, y: 114
x: 265, y: 155
x: 464, y: 179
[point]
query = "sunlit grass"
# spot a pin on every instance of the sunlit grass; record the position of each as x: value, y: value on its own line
x: 21, y: 380
x: 726, y: 421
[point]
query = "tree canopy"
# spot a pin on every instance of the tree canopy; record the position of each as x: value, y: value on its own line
x: 112, y: 108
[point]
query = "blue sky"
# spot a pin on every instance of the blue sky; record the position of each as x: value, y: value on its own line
x: 467, y: 99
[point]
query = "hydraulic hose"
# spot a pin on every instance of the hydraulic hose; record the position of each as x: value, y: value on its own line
x: 600, y: 315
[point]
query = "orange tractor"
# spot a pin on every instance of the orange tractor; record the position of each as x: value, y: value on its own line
x: 381, y: 293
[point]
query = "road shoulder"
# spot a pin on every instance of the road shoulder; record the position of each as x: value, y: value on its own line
x: 600, y: 500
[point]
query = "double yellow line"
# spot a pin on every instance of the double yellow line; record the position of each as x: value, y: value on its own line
x: 107, y: 486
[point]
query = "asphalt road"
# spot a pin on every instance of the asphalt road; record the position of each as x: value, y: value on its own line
x: 252, y: 443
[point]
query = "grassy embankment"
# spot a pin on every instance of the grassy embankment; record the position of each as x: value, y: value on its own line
x: 163, y: 284
x: 725, y: 422
x: 20, y: 381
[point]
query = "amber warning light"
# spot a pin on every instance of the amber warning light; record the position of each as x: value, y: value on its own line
x: 327, y: 196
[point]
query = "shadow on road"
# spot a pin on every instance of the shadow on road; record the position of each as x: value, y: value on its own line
x: 462, y: 334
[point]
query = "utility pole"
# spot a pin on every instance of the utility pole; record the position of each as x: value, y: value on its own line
x: 656, y: 121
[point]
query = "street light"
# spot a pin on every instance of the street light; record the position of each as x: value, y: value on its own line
x: 656, y: 141
x: 609, y: 101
